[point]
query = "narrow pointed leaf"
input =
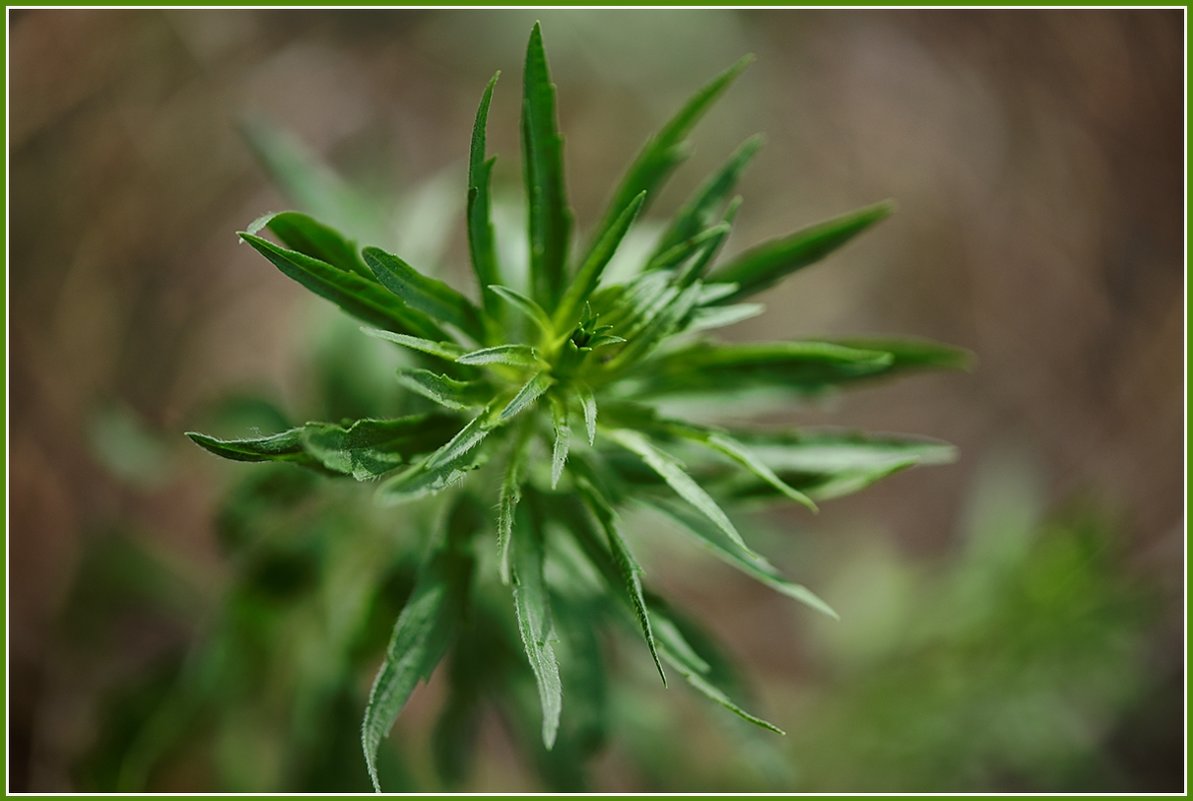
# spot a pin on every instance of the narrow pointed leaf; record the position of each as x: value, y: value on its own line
x: 481, y: 246
x: 754, y: 566
x: 507, y: 504
x: 430, y: 296
x: 353, y: 293
x: 533, y: 609
x: 627, y: 566
x: 528, y: 394
x: 589, y: 274
x: 666, y: 149
x: 529, y: 309
x: 589, y: 405
x: 711, y: 318
x: 703, y: 208
x: 549, y: 220
x: 671, y: 472
x: 444, y: 390
x: 464, y: 441
x: 509, y: 355
x: 449, y: 351
x: 679, y: 252
x: 420, y: 638
x: 367, y: 449
x: 769, y: 263
x: 312, y: 238
x: 562, y: 439
x: 284, y: 447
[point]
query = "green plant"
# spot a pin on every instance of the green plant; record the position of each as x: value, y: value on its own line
x: 502, y: 383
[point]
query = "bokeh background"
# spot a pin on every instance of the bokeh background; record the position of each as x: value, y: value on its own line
x: 1010, y: 622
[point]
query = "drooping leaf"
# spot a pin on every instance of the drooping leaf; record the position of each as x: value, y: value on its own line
x: 509, y: 355
x: 562, y: 433
x: 532, y: 605
x: 428, y: 295
x: 549, y: 219
x: 665, y: 150
x: 312, y: 238
x: 589, y: 406
x: 702, y: 209
x: 283, y: 447
x: 672, y: 472
x: 753, y: 565
x: 420, y: 637
x: 444, y: 390
x: 769, y: 263
x: 507, y: 503
x: 589, y: 274
x: 627, y: 566
x: 481, y: 246
x: 350, y: 291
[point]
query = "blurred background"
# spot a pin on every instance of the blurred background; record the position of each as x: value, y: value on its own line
x: 1011, y: 622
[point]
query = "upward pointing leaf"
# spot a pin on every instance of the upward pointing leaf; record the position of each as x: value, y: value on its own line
x: 350, y: 291
x: 429, y: 295
x: 664, y: 151
x: 533, y: 608
x: 480, y: 228
x: 420, y: 638
x: 771, y: 262
x: 549, y: 220
x: 590, y: 271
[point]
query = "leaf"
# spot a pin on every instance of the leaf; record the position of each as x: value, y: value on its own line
x: 687, y: 248
x: 665, y: 150
x: 429, y: 295
x: 531, y: 310
x: 464, y: 441
x: 354, y: 294
x: 366, y: 449
x: 909, y: 353
x: 542, y: 155
x: 675, y: 649
x: 509, y: 355
x: 707, y: 319
x: 448, y: 351
x: 284, y: 447
x: 528, y: 394
x: 589, y: 405
x: 627, y: 567
x: 444, y: 468
x: 671, y: 472
x: 665, y: 322
x: 444, y: 390
x: 771, y: 262
x: 420, y: 638
x: 533, y: 609
x: 589, y: 274
x: 753, y: 565
x: 481, y: 247
x: 562, y: 436
x: 507, y: 503
x: 799, y: 365
x: 701, y: 210
x: 312, y: 238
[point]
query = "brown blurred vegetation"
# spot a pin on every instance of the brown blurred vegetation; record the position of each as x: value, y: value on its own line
x: 1036, y: 156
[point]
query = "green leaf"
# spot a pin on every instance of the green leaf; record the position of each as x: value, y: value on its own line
x: 662, y: 324
x: 366, y: 449
x: 589, y: 405
x: 675, y: 649
x: 464, y: 441
x: 507, y: 503
x: 312, y: 238
x: 481, y: 247
x: 509, y: 355
x: 448, y: 351
x: 769, y: 263
x: 803, y: 366
x: 753, y: 565
x: 562, y: 436
x: 444, y: 390
x: 528, y: 394
x: 708, y: 319
x: 627, y: 567
x: 542, y: 155
x: 685, y: 249
x: 284, y: 447
x: 909, y: 354
x: 672, y: 472
x: 531, y: 310
x: 665, y: 150
x: 420, y: 637
x: 702, y: 209
x: 445, y: 467
x: 354, y: 294
x: 430, y: 296
x: 533, y: 609
x: 589, y: 274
